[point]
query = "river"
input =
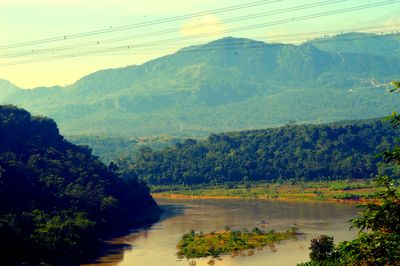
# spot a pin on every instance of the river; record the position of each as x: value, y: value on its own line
x: 156, y: 245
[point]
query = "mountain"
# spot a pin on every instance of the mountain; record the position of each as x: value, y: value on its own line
x: 57, y: 200
x: 227, y: 84
x: 6, y: 89
x: 387, y: 45
x: 293, y: 152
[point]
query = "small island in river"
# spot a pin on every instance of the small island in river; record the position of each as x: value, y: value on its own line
x: 215, y: 244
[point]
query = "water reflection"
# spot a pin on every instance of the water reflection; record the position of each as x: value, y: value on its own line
x: 156, y: 245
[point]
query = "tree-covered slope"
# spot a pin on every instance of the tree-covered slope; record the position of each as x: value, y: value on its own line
x: 112, y: 149
x: 387, y: 45
x: 251, y: 82
x: 56, y: 199
x: 309, y: 152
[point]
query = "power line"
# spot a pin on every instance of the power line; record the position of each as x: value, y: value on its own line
x: 295, y: 38
x: 196, y: 48
x: 283, y: 21
x: 292, y: 38
x: 279, y: 22
x: 142, y: 24
x: 167, y: 31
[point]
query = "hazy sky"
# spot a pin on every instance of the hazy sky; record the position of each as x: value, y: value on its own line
x: 29, y: 20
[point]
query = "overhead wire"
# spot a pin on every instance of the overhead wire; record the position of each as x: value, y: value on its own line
x: 168, y: 31
x: 300, y: 37
x: 141, y: 24
x: 142, y: 45
x: 233, y: 46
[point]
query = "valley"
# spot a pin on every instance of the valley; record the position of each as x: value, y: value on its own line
x: 161, y: 133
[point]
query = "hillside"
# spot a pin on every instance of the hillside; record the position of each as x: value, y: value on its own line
x: 387, y: 45
x: 6, y: 89
x: 57, y: 200
x: 297, y: 152
x: 227, y: 84
x: 112, y: 149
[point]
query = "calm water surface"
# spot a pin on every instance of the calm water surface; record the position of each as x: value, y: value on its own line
x: 156, y: 246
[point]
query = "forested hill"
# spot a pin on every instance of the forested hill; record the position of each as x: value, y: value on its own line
x: 310, y: 152
x: 56, y: 199
x: 224, y: 85
x: 386, y: 45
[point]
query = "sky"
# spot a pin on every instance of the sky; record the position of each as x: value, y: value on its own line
x: 59, y: 54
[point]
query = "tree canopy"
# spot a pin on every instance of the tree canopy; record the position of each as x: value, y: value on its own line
x: 55, y: 197
x: 309, y: 152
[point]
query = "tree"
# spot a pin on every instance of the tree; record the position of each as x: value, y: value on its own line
x: 378, y: 240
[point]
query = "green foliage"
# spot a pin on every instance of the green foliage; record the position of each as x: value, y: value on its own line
x: 377, y: 242
x: 378, y: 239
x: 215, y: 244
x: 111, y: 149
x: 322, y: 248
x: 56, y: 199
x: 382, y: 216
x: 65, y: 233
x: 307, y: 152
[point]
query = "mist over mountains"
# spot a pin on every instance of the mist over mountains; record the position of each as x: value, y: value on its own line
x: 227, y: 84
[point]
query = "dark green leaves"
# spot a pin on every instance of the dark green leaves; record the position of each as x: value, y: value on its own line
x: 57, y: 199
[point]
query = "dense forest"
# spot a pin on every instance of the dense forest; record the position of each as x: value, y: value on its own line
x: 57, y: 200
x: 307, y: 152
x: 111, y: 149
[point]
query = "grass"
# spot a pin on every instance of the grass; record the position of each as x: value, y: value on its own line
x: 340, y: 191
x: 215, y: 244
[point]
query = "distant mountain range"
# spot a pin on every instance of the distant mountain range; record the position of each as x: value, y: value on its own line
x: 227, y: 84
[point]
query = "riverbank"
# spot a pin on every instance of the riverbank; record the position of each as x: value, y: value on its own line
x: 353, y: 192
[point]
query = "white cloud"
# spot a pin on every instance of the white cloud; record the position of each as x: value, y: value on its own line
x: 203, y: 25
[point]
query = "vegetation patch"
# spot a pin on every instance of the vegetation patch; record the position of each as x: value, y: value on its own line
x: 215, y: 244
x: 338, y: 191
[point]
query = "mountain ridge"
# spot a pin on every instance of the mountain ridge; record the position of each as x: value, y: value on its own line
x: 198, y: 85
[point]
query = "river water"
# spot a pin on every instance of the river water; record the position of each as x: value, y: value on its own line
x: 156, y: 245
